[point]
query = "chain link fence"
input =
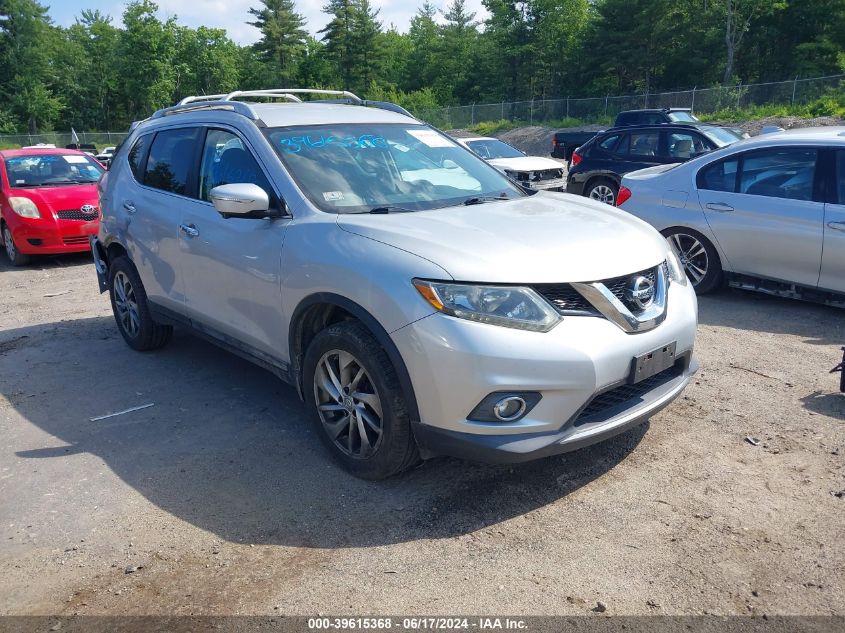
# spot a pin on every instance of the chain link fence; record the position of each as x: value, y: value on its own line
x: 600, y: 109
x: 61, y: 139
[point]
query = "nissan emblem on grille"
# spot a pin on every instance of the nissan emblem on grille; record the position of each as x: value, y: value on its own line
x: 88, y: 209
x: 640, y: 292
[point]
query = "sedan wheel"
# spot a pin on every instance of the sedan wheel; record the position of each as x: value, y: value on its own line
x: 126, y: 305
x: 692, y: 254
x: 16, y: 257
x: 348, y: 404
x: 603, y: 191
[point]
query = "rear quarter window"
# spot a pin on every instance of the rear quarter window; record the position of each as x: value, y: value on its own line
x: 137, y: 154
x: 720, y: 176
x: 171, y: 160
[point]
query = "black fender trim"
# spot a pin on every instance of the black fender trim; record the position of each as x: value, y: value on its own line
x: 372, y: 324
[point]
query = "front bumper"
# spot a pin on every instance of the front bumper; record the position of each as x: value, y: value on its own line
x: 46, y: 236
x: 546, y: 185
x: 454, y: 364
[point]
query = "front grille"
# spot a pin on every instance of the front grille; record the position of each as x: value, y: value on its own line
x: 619, y: 285
x: 546, y: 174
x: 565, y: 298
x: 76, y: 214
x: 625, y: 396
x: 74, y: 241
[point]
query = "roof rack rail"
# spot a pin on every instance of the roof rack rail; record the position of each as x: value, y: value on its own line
x: 231, y: 101
x: 291, y: 91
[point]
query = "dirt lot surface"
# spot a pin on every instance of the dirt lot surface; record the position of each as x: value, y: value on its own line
x: 219, y: 499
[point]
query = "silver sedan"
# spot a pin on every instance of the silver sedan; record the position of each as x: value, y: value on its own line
x: 765, y: 214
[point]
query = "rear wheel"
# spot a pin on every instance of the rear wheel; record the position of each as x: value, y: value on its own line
x: 698, y: 257
x: 15, y: 256
x: 131, y: 310
x: 603, y: 190
x: 357, y: 405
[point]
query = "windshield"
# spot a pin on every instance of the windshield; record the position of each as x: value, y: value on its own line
x: 722, y: 136
x: 493, y: 148
x: 40, y: 170
x: 356, y: 168
x: 682, y: 117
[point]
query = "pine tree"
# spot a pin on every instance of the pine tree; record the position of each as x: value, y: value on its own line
x: 282, y: 43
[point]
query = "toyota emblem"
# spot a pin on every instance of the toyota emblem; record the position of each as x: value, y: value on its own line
x: 88, y: 209
x: 640, y: 292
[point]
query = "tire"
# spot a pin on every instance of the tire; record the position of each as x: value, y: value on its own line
x: 698, y: 257
x: 15, y: 256
x: 131, y: 310
x: 365, y: 423
x: 603, y: 190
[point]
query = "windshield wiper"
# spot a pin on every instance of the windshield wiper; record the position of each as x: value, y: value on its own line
x: 483, y: 199
x: 389, y: 209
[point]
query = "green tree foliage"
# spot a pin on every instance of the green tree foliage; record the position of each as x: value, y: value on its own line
x: 282, y: 43
x: 97, y: 75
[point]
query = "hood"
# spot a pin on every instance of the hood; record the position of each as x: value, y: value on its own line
x: 525, y: 163
x: 544, y: 238
x: 59, y: 198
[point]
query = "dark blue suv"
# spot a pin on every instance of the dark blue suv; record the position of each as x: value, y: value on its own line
x: 597, y: 166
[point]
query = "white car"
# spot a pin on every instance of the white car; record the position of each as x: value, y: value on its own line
x: 766, y: 213
x: 534, y: 172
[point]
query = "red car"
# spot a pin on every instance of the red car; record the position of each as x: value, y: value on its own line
x: 48, y: 202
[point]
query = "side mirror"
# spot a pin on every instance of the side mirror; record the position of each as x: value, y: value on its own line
x: 239, y: 199
x: 449, y: 164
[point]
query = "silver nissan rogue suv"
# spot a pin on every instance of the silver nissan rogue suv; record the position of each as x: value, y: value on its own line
x: 419, y: 300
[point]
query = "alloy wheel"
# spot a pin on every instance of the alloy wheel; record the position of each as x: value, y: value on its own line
x: 126, y: 304
x: 692, y: 254
x: 603, y: 193
x: 347, y: 403
x: 10, y: 245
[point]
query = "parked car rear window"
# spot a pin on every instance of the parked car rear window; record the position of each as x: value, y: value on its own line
x: 137, y: 154
x: 719, y: 177
x: 608, y: 143
x: 53, y: 170
x: 779, y: 173
x: 354, y: 168
x: 171, y: 157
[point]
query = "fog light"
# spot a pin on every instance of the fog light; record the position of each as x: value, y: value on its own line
x: 504, y: 406
x: 509, y: 409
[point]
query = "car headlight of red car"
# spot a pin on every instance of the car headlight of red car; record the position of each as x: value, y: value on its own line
x: 24, y: 207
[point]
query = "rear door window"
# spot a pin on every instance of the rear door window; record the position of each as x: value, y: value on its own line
x: 171, y: 161
x: 644, y: 144
x: 685, y: 145
x: 720, y: 176
x: 779, y: 173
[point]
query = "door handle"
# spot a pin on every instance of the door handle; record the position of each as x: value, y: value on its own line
x: 721, y: 207
x: 837, y: 226
x: 189, y: 229
x: 129, y: 206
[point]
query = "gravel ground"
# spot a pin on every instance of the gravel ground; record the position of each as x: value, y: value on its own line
x: 219, y: 499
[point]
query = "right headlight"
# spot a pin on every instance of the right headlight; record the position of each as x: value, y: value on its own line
x: 24, y: 207
x: 676, y: 270
x: 509, y: 306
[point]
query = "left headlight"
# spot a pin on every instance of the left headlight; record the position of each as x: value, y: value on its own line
x: 676, y: 270
x: 24, y: 207
x: 509, y: 306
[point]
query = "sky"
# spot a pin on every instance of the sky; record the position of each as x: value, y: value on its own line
x: 233, y: 14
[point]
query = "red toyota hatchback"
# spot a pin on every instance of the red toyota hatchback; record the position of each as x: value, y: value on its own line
x: 48, y: 202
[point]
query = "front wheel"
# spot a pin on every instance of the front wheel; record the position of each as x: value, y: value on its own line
x: 15, y: 256
x: 354, y: 398
x: 698, y: 257
x: 603, y: 190
x: 131, y: 310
